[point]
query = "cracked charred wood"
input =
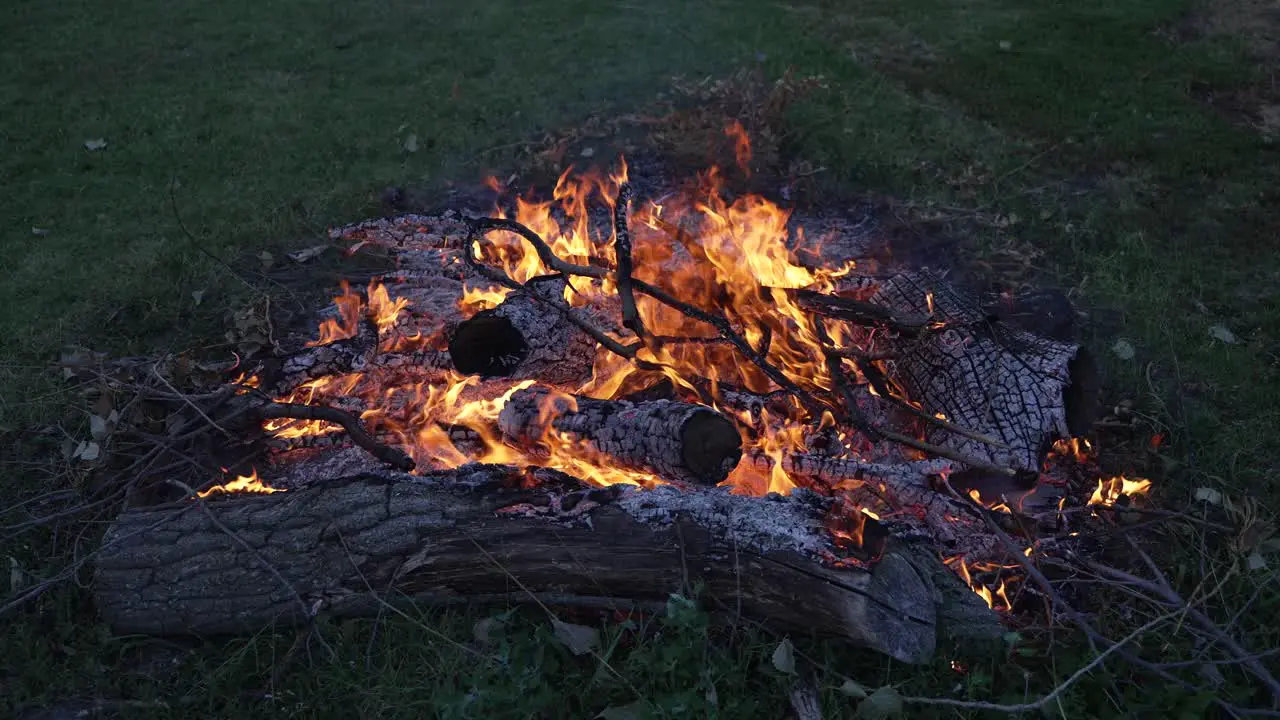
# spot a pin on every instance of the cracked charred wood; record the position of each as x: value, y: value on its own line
x: 347, y: 355
x: 238, y: 564
x: 522, y: 338
x: 987, y: 375
x: 676, y: 441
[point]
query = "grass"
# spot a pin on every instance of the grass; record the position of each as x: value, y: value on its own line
x: 1071, y: 138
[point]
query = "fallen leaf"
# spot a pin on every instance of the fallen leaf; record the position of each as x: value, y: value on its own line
x: 197, y: 296
x: 87, y: 451
x: 588, y: 152
x: 483, y: 631
x: 39, y: 231
x: 580, y: 639
x: 852, y: 689
x: 1005, y: 45
x: 784, y: 657
x: 1209, y: 495
x: 1123, y: 350
x: 305, y: 254
x: 411, y: 143
x: 266, y: 258
x: 882, y: 703
x: 1256, y: 562
x: 17, y: 577
x: 1219, y: 332
x: 95, y: 144
x: 97, y: 427
x: 634, y: 711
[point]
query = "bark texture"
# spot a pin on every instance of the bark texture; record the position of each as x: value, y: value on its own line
x: 677, y: 441
x: 241, y: 563
x: 981, y: 373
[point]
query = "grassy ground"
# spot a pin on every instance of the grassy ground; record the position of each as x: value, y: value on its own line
x: 1107, y: 146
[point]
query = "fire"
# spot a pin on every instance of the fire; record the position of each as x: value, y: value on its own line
x: 997, y: 506
x: 741, y: 146
x: 1110, y: 490
x: 1078, y: 449
x: 242, y: 484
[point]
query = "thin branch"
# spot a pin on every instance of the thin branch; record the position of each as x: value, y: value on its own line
x: 1053, y: 694
x: 622, y: 272
x: 389, y: 455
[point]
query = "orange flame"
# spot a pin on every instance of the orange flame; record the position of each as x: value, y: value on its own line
x: 242, y: 484
x: 1110, y: 490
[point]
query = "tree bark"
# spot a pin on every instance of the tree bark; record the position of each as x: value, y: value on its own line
x: 677, y: 441
x: 241, y: 563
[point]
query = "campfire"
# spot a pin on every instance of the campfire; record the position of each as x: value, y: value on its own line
x: 612, y: 395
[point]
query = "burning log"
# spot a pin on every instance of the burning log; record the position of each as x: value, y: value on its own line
x: 241, y: 563
x: 988, y: 376
x: 521, y: 339
x: 676, y: 441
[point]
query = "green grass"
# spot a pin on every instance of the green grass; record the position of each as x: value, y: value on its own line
x: 278, y: 119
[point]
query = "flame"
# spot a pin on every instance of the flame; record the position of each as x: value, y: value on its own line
x: 1110, y: 490
x: 242, y: 484
x: 996, y: 506
x: 1078, y: 449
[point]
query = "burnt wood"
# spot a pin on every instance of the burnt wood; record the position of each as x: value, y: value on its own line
x: 243, y: 563
x: 677, y: 441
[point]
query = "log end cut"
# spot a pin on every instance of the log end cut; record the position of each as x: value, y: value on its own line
x: 710, y: 446
x: 487, y: 345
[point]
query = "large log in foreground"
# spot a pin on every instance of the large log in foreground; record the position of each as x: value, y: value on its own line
x: 676, y: 441
x: 243, y: 563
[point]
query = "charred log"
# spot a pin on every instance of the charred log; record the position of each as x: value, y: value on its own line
x: 521, y: 338
x: 676, y: 441
x: 242, y: 563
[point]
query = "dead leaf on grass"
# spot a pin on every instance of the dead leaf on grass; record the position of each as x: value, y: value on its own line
x: 852, y: 689
x: 305, y: 254
x: 1123, y: 349
x: 634, y: 711
x: 1218, y: 332
x: 881, y: 704
x: 485, y: 630
x: 39, y: 231
x: 95, y: 144
x: 784, y: 657
x: 580, y: 639
x: 197, y: 296
x: 411, y: 143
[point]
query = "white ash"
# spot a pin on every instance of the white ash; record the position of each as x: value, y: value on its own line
x: 762, y: 524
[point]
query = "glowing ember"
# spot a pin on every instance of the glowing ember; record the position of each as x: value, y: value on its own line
x: 242, y: 484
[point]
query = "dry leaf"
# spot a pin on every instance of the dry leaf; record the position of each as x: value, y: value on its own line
x: 883, y: 703
x: 197, y: 296
x: 17, y: 577
x: 266, y: 258
x: 97, y: 427
x: 852, y: 689
x: 305, y: 254
x: 411, y: 143
x: 1256, y: 562
x: 39, y: 231
x: 1209, y: 495
x: 784, y: 657
x: 95, y: 144
x: 1123, y: 350
x: 1218, y: 332
x: 484, y: 630
x: 87, y: 451
x: 634, y: 711
x: 580, y: 639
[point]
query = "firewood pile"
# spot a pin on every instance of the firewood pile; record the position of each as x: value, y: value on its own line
x: 611, y: 396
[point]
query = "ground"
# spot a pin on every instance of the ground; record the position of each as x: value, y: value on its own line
x: 1125, y: 150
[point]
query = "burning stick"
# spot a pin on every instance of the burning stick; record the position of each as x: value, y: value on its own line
x: 676, y: 441
x: 389, y: 455
x: 622, y: 275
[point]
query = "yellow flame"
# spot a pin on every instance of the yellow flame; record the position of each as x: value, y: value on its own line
x: 242, y: 484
